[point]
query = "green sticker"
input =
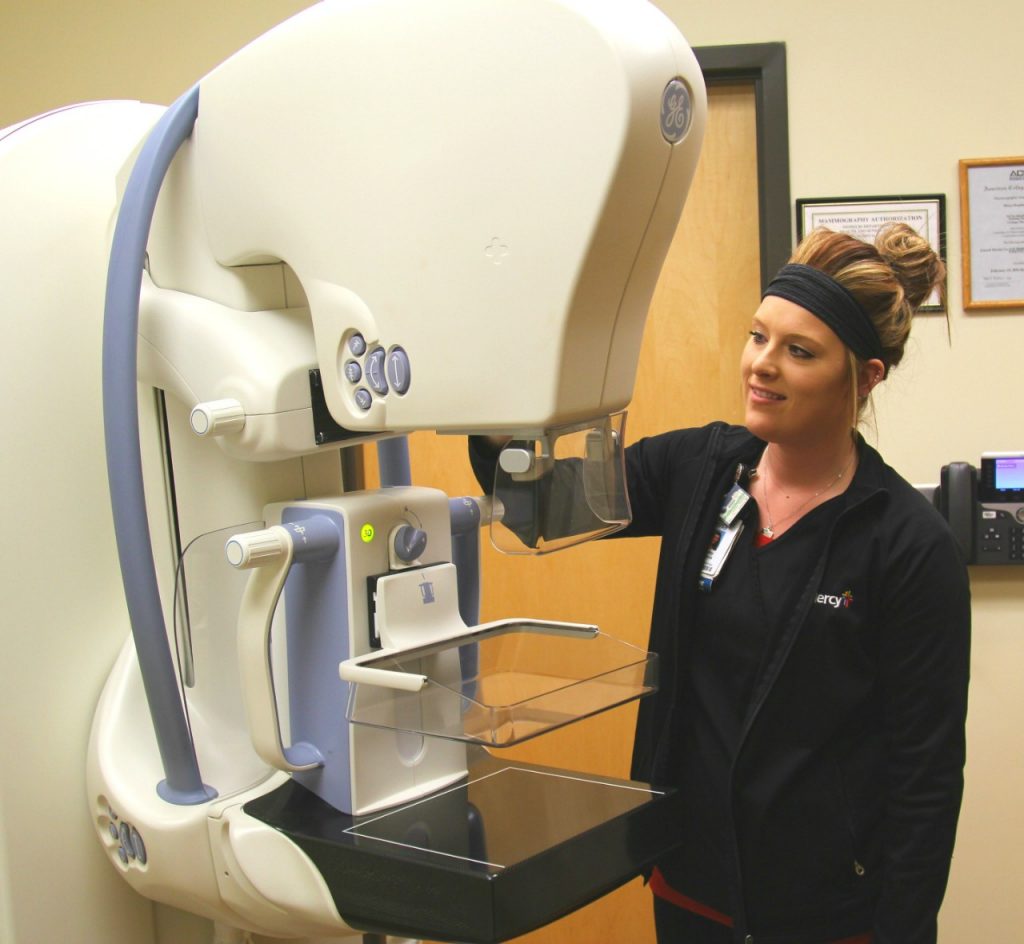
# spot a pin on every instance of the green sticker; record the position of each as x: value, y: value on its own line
x: 367, y: 533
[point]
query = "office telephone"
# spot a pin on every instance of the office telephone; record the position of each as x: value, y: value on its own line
x: 985, y: 507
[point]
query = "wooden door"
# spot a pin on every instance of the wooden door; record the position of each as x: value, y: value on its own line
x: 688, y: 375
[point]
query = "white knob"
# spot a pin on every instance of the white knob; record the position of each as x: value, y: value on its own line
x: 516, y: 461
x: 217, y: 417
x: 257, y: 548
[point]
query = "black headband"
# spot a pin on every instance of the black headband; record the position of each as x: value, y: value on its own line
x: 824, y: 297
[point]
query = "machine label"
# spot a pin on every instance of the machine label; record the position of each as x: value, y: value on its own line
x: 676, y: 111
x: 366, y: 532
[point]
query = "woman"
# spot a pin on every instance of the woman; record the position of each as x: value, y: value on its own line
x: 812, y: 619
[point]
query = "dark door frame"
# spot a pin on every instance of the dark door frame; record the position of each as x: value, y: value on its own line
x: 764, y: 64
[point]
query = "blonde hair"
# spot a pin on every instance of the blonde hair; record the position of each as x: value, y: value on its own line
x: 890, y: 280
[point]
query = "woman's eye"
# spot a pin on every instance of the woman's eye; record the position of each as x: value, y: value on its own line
x: 800, y: 352
x: 757, y: 337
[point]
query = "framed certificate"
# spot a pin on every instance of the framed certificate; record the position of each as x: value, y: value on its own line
x: 863, y: 217
x: 992, y: 232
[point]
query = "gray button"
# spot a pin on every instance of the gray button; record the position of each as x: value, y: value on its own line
x: 353, y: 372
x: 375, y: 371
x: 398, y: 371
x: 357, y: 345
x: 364, y: 399
x: 139, y: 846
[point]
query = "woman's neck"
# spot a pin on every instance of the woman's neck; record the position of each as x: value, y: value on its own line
x: 807, y: 465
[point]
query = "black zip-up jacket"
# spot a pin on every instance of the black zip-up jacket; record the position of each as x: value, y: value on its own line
x: 846, y: 785
x: 847, y: 781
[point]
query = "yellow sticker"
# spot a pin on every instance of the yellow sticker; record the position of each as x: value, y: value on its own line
x: 367, y: 533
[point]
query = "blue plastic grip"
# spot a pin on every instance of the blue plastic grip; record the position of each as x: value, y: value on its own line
x: 183, y: 784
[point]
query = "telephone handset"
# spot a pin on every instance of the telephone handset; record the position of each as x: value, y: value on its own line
x: 957, y: 500
x: 985, y: 507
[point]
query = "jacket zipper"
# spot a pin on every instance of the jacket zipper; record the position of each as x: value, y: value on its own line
x: 854, y: 834
x: 788, y: 643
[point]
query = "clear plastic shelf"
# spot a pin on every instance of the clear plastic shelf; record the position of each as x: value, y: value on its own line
x: 501, y: 683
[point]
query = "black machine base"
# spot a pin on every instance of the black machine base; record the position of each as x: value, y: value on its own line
x: 509, y: 850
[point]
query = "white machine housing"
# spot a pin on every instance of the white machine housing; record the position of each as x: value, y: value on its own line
x: 455, y: 212
x: 402, y: 177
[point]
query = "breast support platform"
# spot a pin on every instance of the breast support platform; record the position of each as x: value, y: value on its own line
x: 382, y: 216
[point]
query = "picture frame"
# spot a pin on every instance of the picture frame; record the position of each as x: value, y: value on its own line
x: 863, y: 217
x: 992, y: 232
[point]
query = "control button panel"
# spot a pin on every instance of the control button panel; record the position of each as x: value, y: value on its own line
x: 1000, y: 538
x: 372, y: 372
x: 124, y: 839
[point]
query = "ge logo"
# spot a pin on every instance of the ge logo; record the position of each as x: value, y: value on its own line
x: 367, y: 533
x: 676, y: 111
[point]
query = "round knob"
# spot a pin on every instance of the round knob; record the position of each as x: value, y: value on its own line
x: 410, y: 543
x: 256, y: 548
x: 217, y: 417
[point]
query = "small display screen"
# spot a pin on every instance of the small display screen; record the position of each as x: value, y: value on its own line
x: 1009, y: 474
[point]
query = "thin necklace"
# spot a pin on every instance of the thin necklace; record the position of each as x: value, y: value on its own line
x: 769, y: 530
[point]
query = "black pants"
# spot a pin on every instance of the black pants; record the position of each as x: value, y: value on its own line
x: 676, y: 925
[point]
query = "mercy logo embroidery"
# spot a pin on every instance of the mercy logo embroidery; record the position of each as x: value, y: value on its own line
x: 844, y: 600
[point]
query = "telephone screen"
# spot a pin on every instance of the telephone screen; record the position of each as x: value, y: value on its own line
x: 1002, y: 478
x: 1009, y: 473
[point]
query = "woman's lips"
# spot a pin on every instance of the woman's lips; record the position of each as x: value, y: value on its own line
x: 762, y: 394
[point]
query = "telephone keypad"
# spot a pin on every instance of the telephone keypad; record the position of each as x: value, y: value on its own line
x: 1000, y: 539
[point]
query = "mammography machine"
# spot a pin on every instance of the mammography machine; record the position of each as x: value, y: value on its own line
x: 382, y: 216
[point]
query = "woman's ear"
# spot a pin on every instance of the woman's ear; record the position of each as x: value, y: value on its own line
x: 869, y: 375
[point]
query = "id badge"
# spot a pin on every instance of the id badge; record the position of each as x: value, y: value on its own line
x: 735, y: 501
x: 722, y: 542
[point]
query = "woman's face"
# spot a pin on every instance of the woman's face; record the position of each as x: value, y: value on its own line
x: 796, y: 380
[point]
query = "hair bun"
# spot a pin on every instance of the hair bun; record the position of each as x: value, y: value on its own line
x: 915, y: 263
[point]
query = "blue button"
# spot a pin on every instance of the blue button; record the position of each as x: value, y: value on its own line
x: 357, y: 345
x: 364, y: 399
x: 375, y: 371
x: 398, y: 370
x: 353, y: 372
x: 138, y: 846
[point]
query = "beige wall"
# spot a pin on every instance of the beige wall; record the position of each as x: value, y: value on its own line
x: 55, y: 52
x: 884, y: 98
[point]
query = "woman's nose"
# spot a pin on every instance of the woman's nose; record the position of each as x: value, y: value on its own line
x: 764, y: 360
